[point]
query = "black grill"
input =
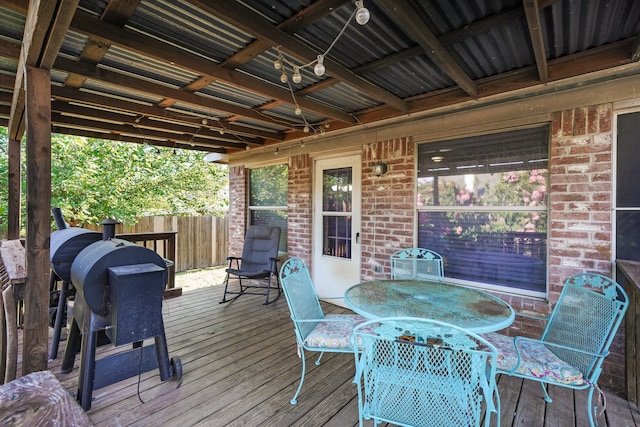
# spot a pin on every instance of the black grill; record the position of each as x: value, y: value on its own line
x: 119, y: 287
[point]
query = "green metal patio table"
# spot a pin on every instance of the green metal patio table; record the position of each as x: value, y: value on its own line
x: 468, y: 308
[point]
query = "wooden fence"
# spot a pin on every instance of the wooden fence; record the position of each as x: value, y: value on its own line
x: 200, y: 241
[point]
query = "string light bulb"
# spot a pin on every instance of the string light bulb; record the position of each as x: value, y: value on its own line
x: 362, y: 14
x: 298, y: 111
x: 283, y: 77
x: 277, y: 64
x: 319, y: 69
x: 296, y: 77
x: 305, y: 129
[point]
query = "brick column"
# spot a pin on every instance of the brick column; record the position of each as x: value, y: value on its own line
x: 581, y: 194
x: 300, y: 202
x: 388, y: 203
x: 237, y: 209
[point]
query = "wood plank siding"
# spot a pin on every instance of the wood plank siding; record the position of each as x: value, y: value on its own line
x: 241, y: 369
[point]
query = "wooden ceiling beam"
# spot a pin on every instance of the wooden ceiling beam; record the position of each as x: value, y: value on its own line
x: 70, y: 94
x: 201, y: 130
x: 116, y: 12
x: 46, y: 25
x: 137, y: 140
x: 252, y: 23
x: 403, y: 14
x: 305, y: 17
x: 156, y: 89
x: 147, y: 46
x: 106, y: 127
x: 532, y: 12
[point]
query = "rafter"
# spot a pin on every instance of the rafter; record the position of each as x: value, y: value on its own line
x: 401, y: 11
x: 254, y: 24
x: 47, y: 24
x: 303, y: 18
x: 86, y: 24
x: 532, y: 12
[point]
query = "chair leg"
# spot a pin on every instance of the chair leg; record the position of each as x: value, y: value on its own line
x: 268, y: 290
x: 294, y: 400
x: 318, y: 360
x: 269, y: 287
x: 226, y: 285
x: 592, y: 410
x: 546, y: 394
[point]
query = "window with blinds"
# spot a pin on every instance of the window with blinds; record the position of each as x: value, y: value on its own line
x: 268, y: 192
x: 482, y: 204
x: 627, y: 194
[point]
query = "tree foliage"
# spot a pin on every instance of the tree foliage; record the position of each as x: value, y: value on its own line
x: 94, y: 179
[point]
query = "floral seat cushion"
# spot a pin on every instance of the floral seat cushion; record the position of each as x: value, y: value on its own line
x: 334, y: 334
x: 536, y: 360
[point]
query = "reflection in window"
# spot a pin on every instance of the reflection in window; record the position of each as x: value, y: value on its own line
x: 337, y: 193
x: 268, y: 192
x: 482, y: 204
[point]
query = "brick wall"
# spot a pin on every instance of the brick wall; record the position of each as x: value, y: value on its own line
x: 581, y: 201
x: 580, y: 197
x: 237, y: 209
x: 388, y: 203
x: 581, y: 186
x: 300, y: 208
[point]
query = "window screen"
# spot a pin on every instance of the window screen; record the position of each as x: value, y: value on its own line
x: 627, y: 194
x: 482, y: 204
x: 268, y: 192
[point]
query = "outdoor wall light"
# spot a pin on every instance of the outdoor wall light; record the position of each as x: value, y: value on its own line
x: 379, y: 168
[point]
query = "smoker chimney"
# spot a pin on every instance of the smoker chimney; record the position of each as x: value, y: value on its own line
x: 109, y: 228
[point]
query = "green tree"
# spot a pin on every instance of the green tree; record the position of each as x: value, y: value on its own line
x: 95, y: 179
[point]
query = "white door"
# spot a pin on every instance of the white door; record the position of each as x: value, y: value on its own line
x: 336, y: 226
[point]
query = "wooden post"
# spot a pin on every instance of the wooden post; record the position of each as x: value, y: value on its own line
x: 38, y: 154
x: 14, y: 182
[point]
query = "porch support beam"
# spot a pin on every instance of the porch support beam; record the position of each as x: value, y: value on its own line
x: 14, y: 183
x: 36, y: 302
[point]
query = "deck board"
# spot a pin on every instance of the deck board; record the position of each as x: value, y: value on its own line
x: 241, y: 369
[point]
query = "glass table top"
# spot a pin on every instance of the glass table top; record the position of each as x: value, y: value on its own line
x: 467, y: 308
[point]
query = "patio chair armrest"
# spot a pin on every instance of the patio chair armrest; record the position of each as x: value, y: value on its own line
x: 551, y: 345
x: 231, y: 259
x: 532, y: 315
x: 331, y: 298
x: 325, y: 319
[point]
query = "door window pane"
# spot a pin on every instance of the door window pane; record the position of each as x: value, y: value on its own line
x: 337, y: 193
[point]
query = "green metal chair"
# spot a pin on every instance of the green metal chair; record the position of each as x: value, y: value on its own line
x: 575, y: 341
x: 417, y: 263
x: 420, y: 372
x: 314, y: 330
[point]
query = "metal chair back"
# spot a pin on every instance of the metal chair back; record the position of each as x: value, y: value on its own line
x: 417, y: 263
x: 301, y: 297
x: 419, y: 372
x: 586, y: 318
x: 314, y: 331
x: 575, y: 341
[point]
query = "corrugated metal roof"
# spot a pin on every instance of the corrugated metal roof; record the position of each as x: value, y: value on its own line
x: 385, y: 67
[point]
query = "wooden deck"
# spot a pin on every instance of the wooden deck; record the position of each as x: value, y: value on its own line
x: 241, y: 369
